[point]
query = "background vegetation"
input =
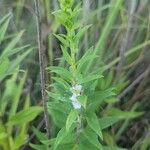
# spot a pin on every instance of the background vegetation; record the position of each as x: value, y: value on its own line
x: 120, y: 34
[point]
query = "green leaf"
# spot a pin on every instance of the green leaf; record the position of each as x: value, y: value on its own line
x: 89, y: 78
x: 59, y: 112
x: 38, y: 147
x: 2, y: 20
x: 11, y: 45
x: 92, y: 138
x: 99, y: 97
x: 81, y: 32
x: 100, y: 46
x: 82, y: 63
x: 83, y: 100
x: 17, y: 61
x: 60, y: 136
x: 3, y: 67
x: 16, y: 50
x: 3, y: 135
x: 93, y: 123
x: 128, y: 53
x: 40, y: 136
x: 66, y: 55
x: 106, y: 122
x: 71, y: 118
x: 19, y: 141
x: 64, y: 73
x: 109, y: 79
x: 18, y: 93
x: 48, y: 142
x: 62, y: 40
x: 62, y: 82
x: 25, y: 116
x: 63, y: 18
x: 54, y: 95
x: 3, y: 29
x: 123, y: 114
x: 70, y: 138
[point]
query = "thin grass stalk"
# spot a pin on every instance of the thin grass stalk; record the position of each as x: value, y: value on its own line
x: 42, y: 66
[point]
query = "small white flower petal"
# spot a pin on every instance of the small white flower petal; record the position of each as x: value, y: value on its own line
x: 78, y: 87
x: 76, y: 104
x: 73, y: 97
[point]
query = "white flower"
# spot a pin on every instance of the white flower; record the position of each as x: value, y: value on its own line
x: 73, y: 98
x: 76, y: 90
x: 76, y: 104
x: 77, y: 87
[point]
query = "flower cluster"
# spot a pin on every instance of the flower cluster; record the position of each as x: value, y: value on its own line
x: 76, y: 91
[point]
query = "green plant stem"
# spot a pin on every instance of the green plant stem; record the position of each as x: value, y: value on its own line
x: 78, y: 128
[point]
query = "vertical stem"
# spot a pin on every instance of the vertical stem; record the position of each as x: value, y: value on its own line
x: 42, y: 66
x: 78, y: 128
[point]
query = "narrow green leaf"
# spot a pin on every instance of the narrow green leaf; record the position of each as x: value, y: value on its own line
x: 99, y: 97
x: 100, y: 47
x: 17, y: 61
x: 60, y: 136
x: 5, y: 18
x: 38, y: 147
x: 62, y: 40
x: 71, y: 118
x: 92, y: 138
x: 3, y: 67
x: 89, y: 78
x: 106, y: 122
x: 128, y: 53
x: 93, y: 123
x: 82, y: 63
x: 18, y: 91
x: 11, y: 45
x: 3, y: 29
x: 25, y: 116
x: 40, y: 136
x: 83, y: 100
x: 64, y: 73
x: 16, y: 50
x: 66, y: 55
x: 81, y: 32
x: 62, y: 82
x: 123, y: 114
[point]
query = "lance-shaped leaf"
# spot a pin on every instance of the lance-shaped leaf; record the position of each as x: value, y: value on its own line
x: 60, y: 136
x: 71, y: 118
x: 81, y: 32
x: 92, y: 138
x: 64, y: 73
x: 93, y: 123
x: 25, y: 116
x: 62, y: 40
